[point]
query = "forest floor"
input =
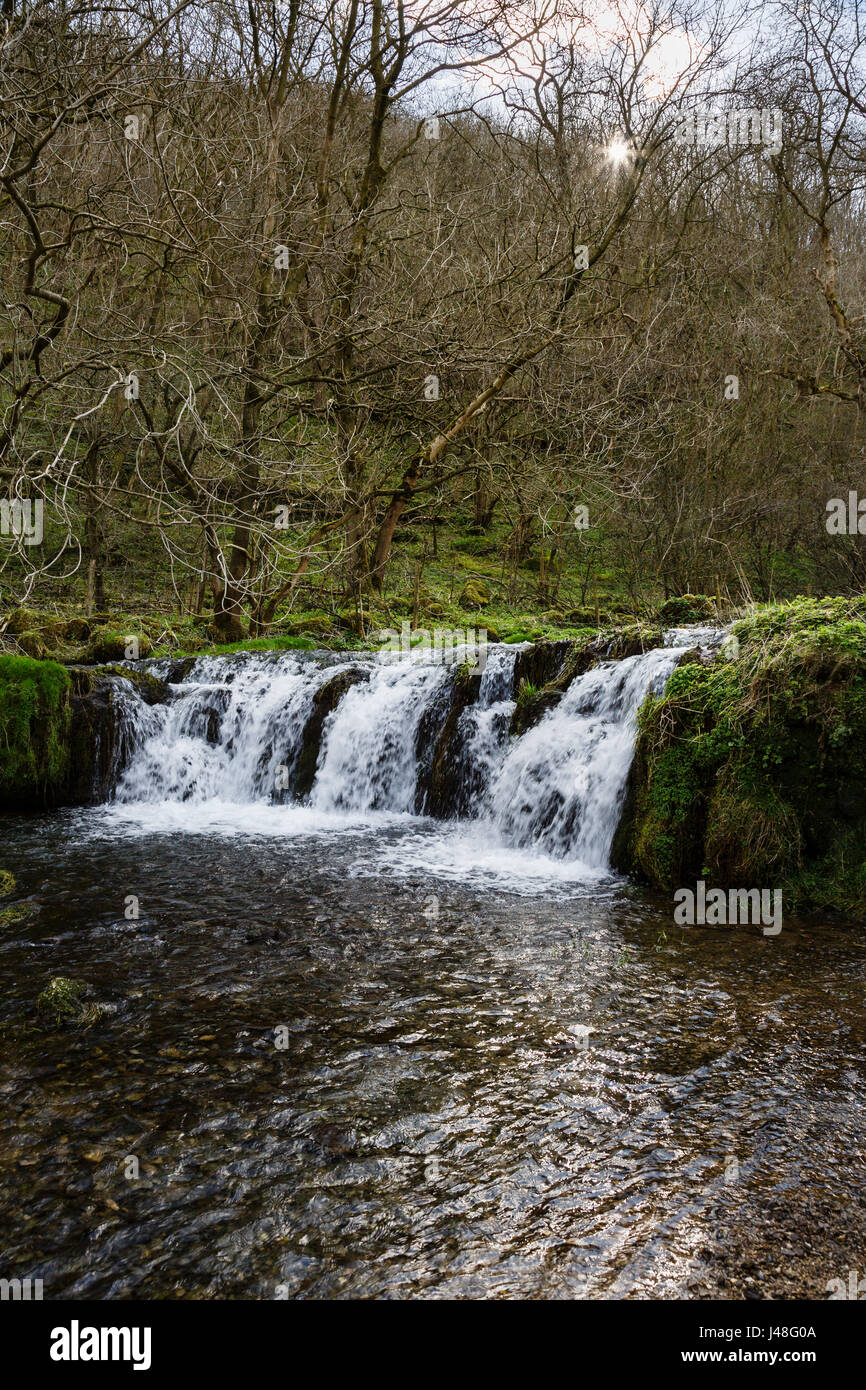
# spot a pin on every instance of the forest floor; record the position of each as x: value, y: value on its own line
x: 467, y: 583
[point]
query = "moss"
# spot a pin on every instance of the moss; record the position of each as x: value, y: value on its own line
x: 632, y: 639
x: 59, y: 731
x: 7, y: 883
x: 22, y: 620
x: 688, y: 608
x: 465, y: 673
x: 316, y: 624
x: 62, y: 1001
x: 151, y: 689
x: 751, y: 771
x: 33, y: 644
x: 750, y: 838
x: 261, y: 644
x: 474, y: 594
x: 34, y: 725
x: 836, y: 882
x: 107, y: 644
x: 16, y: 912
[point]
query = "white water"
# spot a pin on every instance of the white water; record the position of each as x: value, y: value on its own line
x: 560, y: 787
x: 233, y: 724
x: 221, y: 755
x: 368, y: 759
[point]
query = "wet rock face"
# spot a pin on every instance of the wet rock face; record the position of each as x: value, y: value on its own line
x: 540, y: 663
x: 530, y: 709
x: 443, y: 791
x: 177, y: 669
x: 324, y: 702
x: 542, y: 674
x: 100, y: 734
x: 152, y: 690
x: 427, y: 739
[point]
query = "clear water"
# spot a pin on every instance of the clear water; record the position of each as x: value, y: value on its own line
x: 505, y: 1072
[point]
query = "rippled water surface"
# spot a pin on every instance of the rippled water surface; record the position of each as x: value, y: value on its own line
x: 438, y: 1123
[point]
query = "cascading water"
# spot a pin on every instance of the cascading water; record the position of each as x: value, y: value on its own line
x: 238, y: 729
x: 368, y: 760
x: 560, y: 788
x: 233, y: 723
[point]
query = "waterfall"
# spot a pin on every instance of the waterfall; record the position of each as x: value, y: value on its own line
x: 351, y: 735
x: 233, y: 722
x: 560, y: 788
x: 368, y: 760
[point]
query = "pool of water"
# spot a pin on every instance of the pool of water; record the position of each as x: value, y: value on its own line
x: 347, y: 1059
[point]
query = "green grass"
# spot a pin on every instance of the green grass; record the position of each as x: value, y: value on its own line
x: 256, y: 644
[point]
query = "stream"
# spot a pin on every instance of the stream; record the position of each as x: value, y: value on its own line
x: 350, y: 1050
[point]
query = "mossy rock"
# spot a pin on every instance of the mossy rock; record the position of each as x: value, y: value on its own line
x: 314, y: 624
x: 63, y: 1003
x: 22, y: 620
x: 467, y: 679
x: 750, y: 771
x: 583, y: 617
x: 474, y: 595
x: 531, y: 706
x: 34, y: 729
x: 59, y: 632
x: 179, y: 669
x: 631, y: 640
x: 544, y: 671
x: 75, y: 629
x: 755, y: 838
x: 96, y: 742
x: 324, y: 702
x: 16, y: 912
x: 539, y: 664
x: 442, y: 789
x: 686, y: 609
x: 7, y: 883
x: 151, y: 689
x: 33, y: 644
x: 107, y: 644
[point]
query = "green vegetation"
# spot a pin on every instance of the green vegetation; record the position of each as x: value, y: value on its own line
x: 514, y: 611
x: 62, y: 1003
x: 15, y: 912
x: 34, y: 724
x: 751, y: 770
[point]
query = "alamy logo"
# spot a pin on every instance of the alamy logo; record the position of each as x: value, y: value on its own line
x: 846, y: 519
x: 20, y: 1290
x: 856, y: 1287
x: 19, y: 516
x: 737, y: 907
x: 76, y: 1343
x: 713, y: 129
x: 447, y: 646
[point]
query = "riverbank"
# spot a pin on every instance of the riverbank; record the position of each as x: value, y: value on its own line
x: 750, y: 766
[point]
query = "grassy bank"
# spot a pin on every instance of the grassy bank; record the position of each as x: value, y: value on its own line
x: 750, y: 769
x: 34, y: 729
